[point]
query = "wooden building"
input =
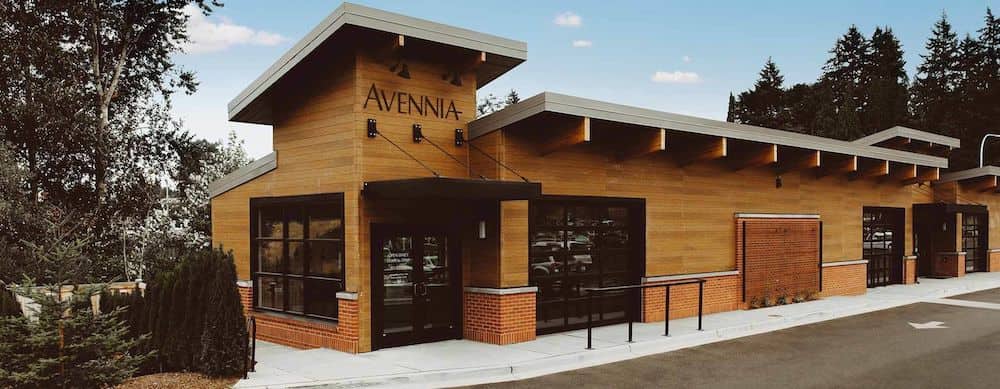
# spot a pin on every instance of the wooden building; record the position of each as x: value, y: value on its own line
x: 389, y: 214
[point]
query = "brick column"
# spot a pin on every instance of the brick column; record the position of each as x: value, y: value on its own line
x: 910, y: 269
x: 723, y: 292
x: 499, y: 315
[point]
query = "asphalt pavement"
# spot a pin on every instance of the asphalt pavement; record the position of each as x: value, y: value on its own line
x: 875, y: 350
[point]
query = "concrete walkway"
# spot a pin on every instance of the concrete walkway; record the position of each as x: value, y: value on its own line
x: 461, y: 362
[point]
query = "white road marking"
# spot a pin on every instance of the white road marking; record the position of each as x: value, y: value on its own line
x: 965, y: 303
x: 929, y: 325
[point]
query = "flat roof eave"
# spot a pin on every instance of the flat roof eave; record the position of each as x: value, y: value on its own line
x: 514, y: 51
x: 909, y: 133
x: 969, y: 174
x: 595, y: 109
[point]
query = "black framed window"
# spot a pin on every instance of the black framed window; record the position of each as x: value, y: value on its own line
x: 297, y: 254
x: 580, y: 243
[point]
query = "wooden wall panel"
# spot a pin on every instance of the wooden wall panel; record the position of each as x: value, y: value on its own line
x: 690, y: 210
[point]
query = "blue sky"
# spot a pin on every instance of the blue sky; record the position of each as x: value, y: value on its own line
x: 703, y: 50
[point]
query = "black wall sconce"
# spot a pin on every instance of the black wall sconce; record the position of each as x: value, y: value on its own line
x: 459, y: 137
x: 777, y: 182
x: 418, y: 133
x: 372, y: 128
x: 455, y: 78
x: 404, y: 71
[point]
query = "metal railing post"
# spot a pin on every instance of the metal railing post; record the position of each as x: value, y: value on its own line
x: 629, y: 324
x: 666, y: 311
x: 701, y: 302
x: 590, y: 316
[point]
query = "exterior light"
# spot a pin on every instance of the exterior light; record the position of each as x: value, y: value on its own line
x: 404, y: 71
x: 372, y: 128
x: 455, y: 78
x: 482, y: 229
x: 418, y: 133
x: 459, y: 137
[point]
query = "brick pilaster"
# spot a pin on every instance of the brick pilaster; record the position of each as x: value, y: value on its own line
x: 498, y: 317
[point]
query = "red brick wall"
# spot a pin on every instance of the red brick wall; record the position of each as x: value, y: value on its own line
x: 721, y: 294
x: 783, y: 256
x: 499, y: 319
x: 845, y: 280
x: 949, y: 265
x: 304, y: 333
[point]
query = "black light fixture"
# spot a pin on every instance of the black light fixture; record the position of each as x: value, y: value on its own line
x: 459, y: 137
x: 453, y: 78
x: 404, y: 71
x: 418, y: 134
x: 372, y: 128
x: 777, y: 181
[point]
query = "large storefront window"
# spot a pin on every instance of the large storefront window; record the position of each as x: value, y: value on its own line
x: 297, y: 253
x: 580, y: 244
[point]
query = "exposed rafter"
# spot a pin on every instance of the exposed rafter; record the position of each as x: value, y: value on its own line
x: 834, y: 164
x: 707, y: 150
x: 792, y: 159
x: 576, y: 132
x: 752, y: 155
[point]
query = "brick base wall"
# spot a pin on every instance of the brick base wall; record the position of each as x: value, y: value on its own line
x: 782, y: 256
x: 721, y: 294
x: 498, y: 318
x: 994, y: 261
x: 909, y: 271
x: 303, y: 333
x: 845, y: 280
x: 949, y: 265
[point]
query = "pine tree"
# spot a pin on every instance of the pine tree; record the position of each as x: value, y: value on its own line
x: 887, y: 84
x: 763, y: 105
x: 731, y: 110
x: 225, y: 334
x: 845, y: 77
x: 932, y: 99
x: 512, y: 98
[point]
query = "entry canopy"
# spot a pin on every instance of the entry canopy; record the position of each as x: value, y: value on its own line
x: 908, y: 139
x: 352, y: 26
x: 451, y: 189
x: 983, y: 179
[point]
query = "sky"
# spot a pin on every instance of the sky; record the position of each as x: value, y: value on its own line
x: 676, y: 56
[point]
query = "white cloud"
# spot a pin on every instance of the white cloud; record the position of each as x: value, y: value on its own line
x: 207, y: 35
x: 568, y: 19
x: 676, y: 77
x: 686, y: 59
x: 582, y: 43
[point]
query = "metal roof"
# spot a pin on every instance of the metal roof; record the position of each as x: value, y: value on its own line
x: 577, y: 106
x: 375, y: 19
x: 243, y: 175
x: 906, y: 132
x: 967, y: 174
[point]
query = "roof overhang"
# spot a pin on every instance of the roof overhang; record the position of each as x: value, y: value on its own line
x: 243, y: 175
x: 908, y: 139
x: 581, y: 107
x: 971, y: 174
x: 451, y: 189
x: 502, y: 54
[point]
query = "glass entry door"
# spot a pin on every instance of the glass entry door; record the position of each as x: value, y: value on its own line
x: 974, y: 241
x: 882, y: 244
x: 414, y: 278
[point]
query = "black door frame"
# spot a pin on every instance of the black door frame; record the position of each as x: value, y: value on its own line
x: 896, y: 264
x: 454, y: 250
x: 983, y: 243
x: 637, y: 250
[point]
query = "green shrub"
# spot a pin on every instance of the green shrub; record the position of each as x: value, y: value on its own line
x: 223, y: 340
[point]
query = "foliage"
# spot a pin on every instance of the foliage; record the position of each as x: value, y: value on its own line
x: 491, y: 103
x: 66, y: 344
x: 864, y: 88
x: 185, y: 333
x: 84, y: 109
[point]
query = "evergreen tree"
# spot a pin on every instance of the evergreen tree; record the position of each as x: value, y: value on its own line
x: 845, y: 77
x: 512, y: 98
x: 803, y: 105
x: 932, y: 99
x: 763, y: 105
x: 224, y: 339
x: 887, y: 84
x: 731, y: 110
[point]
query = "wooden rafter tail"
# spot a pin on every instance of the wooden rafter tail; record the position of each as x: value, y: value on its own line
x: 790, y: 160
x: 707, y: 150
x: 833, y: 164
x: 576, y: 132
x: 752, y: 155
x: 649, y: 142
x: 868, y: 168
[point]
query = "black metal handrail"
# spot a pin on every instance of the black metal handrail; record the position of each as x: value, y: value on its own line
x: 666, y: 304
x: 250, y: 362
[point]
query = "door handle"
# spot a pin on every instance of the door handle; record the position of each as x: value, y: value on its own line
x: 419, y: 289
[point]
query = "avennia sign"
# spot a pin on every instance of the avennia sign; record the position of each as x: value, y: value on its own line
x: 411, y: 104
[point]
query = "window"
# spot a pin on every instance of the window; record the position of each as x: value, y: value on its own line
x: 297, y: 254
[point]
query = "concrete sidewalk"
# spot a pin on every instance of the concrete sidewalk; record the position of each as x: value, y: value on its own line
x: 461, y: 362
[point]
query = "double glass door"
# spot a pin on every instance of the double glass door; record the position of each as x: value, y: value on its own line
x: 416, y: 299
